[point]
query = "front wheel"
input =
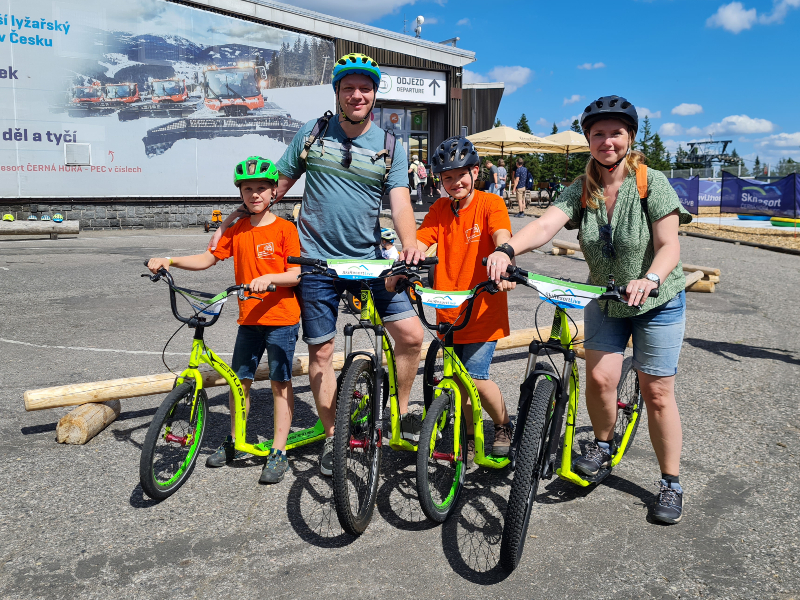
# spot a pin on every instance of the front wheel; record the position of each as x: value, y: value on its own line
x: 440, y: 466
x: 629, y: 407
x: 526, y: 475
x: 356, y: 454
x: 433, y: 372
x: 173, y: 441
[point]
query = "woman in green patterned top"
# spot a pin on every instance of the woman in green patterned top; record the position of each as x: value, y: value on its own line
x: 636, y: 241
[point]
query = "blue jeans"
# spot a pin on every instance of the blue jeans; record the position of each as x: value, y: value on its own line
x: 492, y: 188
x: 278, y: 341
x: 500, y: 188
x: 319, y: 304
x: 657, y: 335
x: 476, y: 358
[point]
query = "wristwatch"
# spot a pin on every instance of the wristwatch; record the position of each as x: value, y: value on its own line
x: 654, y: 278
x: 505, y: 249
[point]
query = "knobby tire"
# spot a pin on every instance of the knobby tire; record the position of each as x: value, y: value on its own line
x: 629, y: 393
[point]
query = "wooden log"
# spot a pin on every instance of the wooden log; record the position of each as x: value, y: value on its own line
x: 708, y: 287
x: 83, y: 423
x: 705, y: 270
x: 39, y: 228
x: 147, y: 385
x: 693, y: 278
x: 711, y: 278
x: 567, y: 245
x: 562, y: 252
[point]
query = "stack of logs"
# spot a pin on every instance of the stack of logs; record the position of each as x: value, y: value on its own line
x: 698, y: 279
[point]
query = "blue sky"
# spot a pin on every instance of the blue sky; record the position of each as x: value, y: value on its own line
x: 699, y: 67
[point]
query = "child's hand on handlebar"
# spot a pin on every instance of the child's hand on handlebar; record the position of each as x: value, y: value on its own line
x: 496, y: 265
x: 391, y: 283
x: 154, y: 264
x: 259, y: 285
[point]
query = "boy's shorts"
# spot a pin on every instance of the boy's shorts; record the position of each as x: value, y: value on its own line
x: 476, y: 358
x: 657, y: 335
x: 319, y: 304
x: 279, y: 342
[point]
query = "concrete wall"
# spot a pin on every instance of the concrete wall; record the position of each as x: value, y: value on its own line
x: 131, y: 214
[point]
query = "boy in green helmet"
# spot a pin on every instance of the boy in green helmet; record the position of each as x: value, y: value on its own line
x: 260, y: 246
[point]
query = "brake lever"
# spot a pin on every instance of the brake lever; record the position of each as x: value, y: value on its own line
x: 252, y: 298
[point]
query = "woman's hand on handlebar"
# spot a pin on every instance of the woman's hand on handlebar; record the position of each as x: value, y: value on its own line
x: 638, y: 290
x: 496, y: 265
x: 154, y: 264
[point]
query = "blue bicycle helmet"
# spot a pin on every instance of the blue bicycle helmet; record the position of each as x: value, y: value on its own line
x: 45, y: 217
x: 32, y: 218
x: 356, y: 63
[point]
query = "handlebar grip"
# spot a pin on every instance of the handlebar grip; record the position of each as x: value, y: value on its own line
x: 308, y: 262
x: 428, y: 261
x: 271, y: 287
x: 622, y: 290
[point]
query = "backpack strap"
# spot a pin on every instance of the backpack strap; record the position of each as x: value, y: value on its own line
x: 321, y: 126
x: 641, y: 185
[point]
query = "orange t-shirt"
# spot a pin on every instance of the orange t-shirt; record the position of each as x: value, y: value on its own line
x: 261, y: 251
x: 463, y: 243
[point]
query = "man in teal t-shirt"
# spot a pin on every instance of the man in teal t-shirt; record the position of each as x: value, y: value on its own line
x: 339, y: 218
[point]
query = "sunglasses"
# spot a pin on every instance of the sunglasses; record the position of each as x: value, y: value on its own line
x: 348, y: 155
x: 609, y: 252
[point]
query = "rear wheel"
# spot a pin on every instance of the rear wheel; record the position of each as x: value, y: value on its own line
x: 629, y: 405
x: 173, y: 441
x: 440, y: 469
x: 356, y: 454
x: 353, y: 303
x: 526, y: 474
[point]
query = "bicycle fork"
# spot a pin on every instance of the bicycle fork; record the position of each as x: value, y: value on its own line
x: 379, y: 345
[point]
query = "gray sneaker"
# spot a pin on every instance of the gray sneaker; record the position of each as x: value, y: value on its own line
x: 410, y: 427
x: 669, y: 503
x: 594, y: 458
x: 275, y: 468
x: 225, y: 454
x: 503, y: 434
x: 326, y: 458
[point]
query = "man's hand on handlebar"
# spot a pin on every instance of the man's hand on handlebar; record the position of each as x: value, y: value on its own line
x: 410, y: 256
x: 154, y: 264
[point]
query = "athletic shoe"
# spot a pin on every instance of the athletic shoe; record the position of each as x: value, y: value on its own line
x: 275, y: 467
x: 470, y: 451
x: 503, y: 434
x: 519, y: 215
x: 669, y: 504
x: 326, y: 458
x: 594, y: 458
x: 410, y: 427
x: 225, y: 454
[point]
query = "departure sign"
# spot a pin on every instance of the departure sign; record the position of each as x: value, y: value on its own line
x: 413, y: 85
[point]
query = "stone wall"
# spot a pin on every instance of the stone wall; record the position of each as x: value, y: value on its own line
x: 132, y: 214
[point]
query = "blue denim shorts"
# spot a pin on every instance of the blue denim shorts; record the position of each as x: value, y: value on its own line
x: 657, y: 335
x: 476, y: 358
x: 319, y: 304
x: 278, y: 341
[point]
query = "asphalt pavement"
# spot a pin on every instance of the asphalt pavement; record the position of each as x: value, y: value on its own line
x: 74, y: 521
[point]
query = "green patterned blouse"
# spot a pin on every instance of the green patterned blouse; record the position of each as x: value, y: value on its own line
x: 631, y: 234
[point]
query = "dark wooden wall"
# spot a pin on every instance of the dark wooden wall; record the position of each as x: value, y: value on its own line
x: 479, y: 108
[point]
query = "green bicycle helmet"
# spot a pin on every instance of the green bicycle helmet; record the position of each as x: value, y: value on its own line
x: 356, y: 63
x: 8, y: 217
x: 254, y: 167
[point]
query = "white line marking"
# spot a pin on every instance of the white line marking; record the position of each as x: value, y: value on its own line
x: 102, y: 349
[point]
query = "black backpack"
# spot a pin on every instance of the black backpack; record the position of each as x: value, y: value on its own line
x: 321, y: 127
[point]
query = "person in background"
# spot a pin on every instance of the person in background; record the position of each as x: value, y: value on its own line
x: 502, y: 175
x: 418, y: 180
x: 388, y: 251
x: 492, y: 173
x: 520, y: 182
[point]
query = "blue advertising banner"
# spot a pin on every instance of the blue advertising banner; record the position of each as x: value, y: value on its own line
x: 709, y: 193
x: 688, y: 191
x: 747, y: 197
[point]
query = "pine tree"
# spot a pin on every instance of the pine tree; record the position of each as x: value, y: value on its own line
x: 577, y: 162
x: 645, y: 140
x: 658, y: 158
x: 757, y: 168
x: 497, y: 123
x: 576, y: 126
x: 522, y: 124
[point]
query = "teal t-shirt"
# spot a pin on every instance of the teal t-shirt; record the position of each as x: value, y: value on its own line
x: 341, y: 206
x: 632, y: 236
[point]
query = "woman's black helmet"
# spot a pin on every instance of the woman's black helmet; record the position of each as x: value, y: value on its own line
x: 609, y: 107
x: 454, y: 153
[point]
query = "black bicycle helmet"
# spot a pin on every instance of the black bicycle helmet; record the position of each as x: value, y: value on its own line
x: 609, y: 107
x: 454, y: 153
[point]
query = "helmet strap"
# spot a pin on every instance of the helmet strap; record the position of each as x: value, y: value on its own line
x: 344, y: 116
x: 612, y: 168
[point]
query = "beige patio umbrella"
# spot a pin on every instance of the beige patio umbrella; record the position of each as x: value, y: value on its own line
x: 568, y: 141
x: 505, y: 140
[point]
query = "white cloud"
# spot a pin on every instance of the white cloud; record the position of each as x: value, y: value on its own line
x: 513, y: 77
x: 462, y: 22
x: 473, y: 77
x: 735, y: 18
x: 670, y: 129
x: 782, y: 140
x: 566, y: 123
x: 590, y: 66
x: 542, y: 122
x: 431, y: 21
x: 694, y: 131
x: 646, y: 112
x: 685, y: 109
x: 741, y: 124
x: 356, y: 10
x: 573, y: 99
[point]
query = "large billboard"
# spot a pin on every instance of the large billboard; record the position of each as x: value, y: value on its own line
x: 161, y: 99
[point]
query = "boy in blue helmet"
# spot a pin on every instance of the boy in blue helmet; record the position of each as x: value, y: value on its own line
x: 349, y: 164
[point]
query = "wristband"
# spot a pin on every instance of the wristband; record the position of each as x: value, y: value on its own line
x: 169, y: 259
x: 505, y: 249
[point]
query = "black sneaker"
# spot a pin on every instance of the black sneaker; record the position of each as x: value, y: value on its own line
x: 410, y: 427
x: 326, y: 458
x: 274, y: 468
x: 225, y: 454
x: 669, y: 504
x: 594, y: 458
x: 503, y: 434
